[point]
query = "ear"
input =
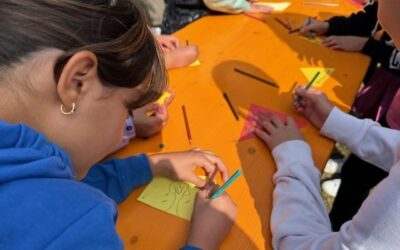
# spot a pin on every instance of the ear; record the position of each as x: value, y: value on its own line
x: 78, y: 76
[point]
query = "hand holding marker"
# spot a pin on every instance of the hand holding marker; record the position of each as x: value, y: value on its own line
x: 224, y: 186
x: 298, y: 98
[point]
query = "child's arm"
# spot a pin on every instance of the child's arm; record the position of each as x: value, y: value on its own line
x: 118, y: 177
x: 358, y: 24
x: 365, y: 138
x: 299, y: 219
x: 211, y: 220
x: 181, y: 56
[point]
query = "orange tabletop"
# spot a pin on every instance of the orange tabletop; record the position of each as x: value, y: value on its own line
x: 264, y: 48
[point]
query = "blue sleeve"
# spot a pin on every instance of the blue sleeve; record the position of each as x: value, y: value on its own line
x: 190, y: 248
x: 118, y: 177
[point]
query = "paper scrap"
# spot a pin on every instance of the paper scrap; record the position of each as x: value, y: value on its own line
x: 316, y: 40
x: 257, y: 111
x: 195, y: 63
x: 160, y: 101
x: 173, y: 197
x: 309, y: 73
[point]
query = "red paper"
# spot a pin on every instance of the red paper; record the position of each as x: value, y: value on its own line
x: 261, y: 112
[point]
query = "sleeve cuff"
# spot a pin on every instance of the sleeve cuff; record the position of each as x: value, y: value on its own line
x: 370, y: 47
x: 290, y: 152
x: 188, y: 247
x: 343, y: 127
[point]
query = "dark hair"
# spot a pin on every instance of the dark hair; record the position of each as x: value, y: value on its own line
x: 114, y: 30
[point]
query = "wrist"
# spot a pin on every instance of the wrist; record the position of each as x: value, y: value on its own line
x: 157, y: 165
x: 325, y: 28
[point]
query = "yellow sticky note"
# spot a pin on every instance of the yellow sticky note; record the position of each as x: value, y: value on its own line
x: 173, y: 197
x: 276, y: 6
x: 195, y: 63
x: 323, y: 75
x: 160, y: 101
x: 315, y: 40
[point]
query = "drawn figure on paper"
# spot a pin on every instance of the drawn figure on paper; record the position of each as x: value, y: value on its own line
x: 180, y: 196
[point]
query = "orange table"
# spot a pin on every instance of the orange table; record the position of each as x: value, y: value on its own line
x: 266, y: 49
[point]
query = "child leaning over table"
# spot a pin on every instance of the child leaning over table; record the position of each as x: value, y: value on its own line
x: 361, y: 32
x: 299, y: 218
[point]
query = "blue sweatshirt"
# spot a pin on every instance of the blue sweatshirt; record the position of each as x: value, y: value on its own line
x: 43, y: 206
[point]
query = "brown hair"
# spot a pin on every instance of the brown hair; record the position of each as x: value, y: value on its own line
x: 114, y: 30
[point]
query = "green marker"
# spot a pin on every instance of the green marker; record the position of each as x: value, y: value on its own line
x: 298, y: 98
x: 222, y: 188
x: 312, y: 80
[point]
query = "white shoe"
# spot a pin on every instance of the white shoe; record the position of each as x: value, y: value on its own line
x: 333, y: 166
x: 331, y: 187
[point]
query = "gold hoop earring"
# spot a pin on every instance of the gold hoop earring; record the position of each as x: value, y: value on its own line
x: 69, y: 112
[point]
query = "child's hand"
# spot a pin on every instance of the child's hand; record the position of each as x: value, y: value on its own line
x: 346, y: 43
x: 314, y: 27
x: 181, y: 57
x: 211, y: 220
x: 313, y: 104
x: 258, y: 8
x: 168, y: 43
x: 146, y: 125
x: 275, y: 132
x: 181, y: 166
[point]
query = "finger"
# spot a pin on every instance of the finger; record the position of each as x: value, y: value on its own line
x: 290, y: 122
x: 207, y: 165
x: 204, y: 193
x: 221, y: 167
x: 151, y: 107
x: 170, y: 99
x: 276, y: 121
x: 268, y: 127
x: 262, y: 135
x: 330, y: 44
x: 337, y: 47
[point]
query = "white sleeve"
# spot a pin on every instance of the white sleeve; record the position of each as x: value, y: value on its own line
x: 300, y: 221
x: 365, y: 138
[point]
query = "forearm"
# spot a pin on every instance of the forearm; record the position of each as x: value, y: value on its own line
x: 357, y: 24
x: 298, y: 214
x: 118, y: 177
x: 365, y: 138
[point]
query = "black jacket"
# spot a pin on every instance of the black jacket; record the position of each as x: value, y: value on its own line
x: 365, y: 24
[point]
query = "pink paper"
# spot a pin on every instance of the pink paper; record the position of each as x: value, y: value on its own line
x: 261, y: 112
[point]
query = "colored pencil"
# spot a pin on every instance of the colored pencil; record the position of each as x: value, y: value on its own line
x: 256, y: 77
x: 294, y: 31
x: 282, y: 23
x: 231, y: 106
x: 189, y: 135
x: 298, y: 98
x: 224, y: 186
x: 312, y: 80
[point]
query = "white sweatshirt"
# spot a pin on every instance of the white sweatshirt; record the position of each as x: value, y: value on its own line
x: 299, y: 219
